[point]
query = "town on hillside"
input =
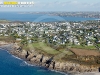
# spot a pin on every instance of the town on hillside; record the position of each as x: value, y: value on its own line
x: 76, y: 34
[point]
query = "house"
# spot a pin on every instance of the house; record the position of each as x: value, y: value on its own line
x: 18, y: 39
x: 76, y: 42
x: 89, y: 43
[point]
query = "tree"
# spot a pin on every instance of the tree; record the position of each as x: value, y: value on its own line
x: 24, y: 42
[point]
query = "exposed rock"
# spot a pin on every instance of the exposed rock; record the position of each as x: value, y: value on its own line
x: 45, y: 59
x: 53, y: 64
x: 23, y: 53
x: 30, y: 56
x: 57, y: 65
x: 33, y: 59
x: 39, y: 59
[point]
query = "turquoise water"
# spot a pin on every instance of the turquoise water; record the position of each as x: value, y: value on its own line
x: 38, y: 17
x: 10, y: 65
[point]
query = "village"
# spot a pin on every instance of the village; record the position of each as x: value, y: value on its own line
x: 76, y: 34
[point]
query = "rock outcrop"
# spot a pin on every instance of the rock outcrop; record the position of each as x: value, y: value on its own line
x: 36, y: 58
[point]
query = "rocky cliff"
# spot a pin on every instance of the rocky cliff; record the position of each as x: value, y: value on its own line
x: 48, y: 61
x: 33, y: 57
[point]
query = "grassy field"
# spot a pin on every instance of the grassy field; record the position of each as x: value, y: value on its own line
x: 83, y: 47
x: 41, y: 46
x: 45, y: 48
x: 99, y: 45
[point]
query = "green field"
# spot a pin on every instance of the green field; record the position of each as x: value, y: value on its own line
x: 41, y: 46
x: 83, y: 47
x: 99, y: 45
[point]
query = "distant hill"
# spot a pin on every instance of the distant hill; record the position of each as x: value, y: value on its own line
x: 4, y: 21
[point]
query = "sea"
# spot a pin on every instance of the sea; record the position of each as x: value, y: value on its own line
x: 11, y: 65
x: 17, y: 16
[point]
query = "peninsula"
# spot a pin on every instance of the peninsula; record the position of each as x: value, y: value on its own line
x: 70, y: 47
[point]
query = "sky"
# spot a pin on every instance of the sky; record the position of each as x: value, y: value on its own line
x: 57, y: 5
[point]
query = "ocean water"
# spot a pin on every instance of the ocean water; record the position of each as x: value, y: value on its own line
x: 15, y: 16
x: 9, y: 65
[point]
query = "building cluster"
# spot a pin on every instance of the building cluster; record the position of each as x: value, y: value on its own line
x: 58, y: 33
x: 73, y: 14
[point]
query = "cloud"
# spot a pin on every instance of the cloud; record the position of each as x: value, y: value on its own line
x: 78, y: 4
x: 63, y: 5
x: 74, y: 2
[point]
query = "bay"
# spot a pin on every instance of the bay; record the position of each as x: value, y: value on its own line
x: 15, y: 16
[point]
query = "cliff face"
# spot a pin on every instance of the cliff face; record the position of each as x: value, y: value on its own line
x: 3, y: 43
x: 33, y: 57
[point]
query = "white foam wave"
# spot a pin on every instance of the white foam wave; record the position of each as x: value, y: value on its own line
x: 59, y: 72
x: 28, y: 64
x: 16, y: 57
x: 44, y: 70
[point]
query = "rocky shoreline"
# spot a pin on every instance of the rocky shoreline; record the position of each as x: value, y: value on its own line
x: 33, y: 57
x: 38, y: 59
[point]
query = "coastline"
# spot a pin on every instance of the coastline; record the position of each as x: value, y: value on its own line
x: 34, y: 57
x: 26, y: 63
